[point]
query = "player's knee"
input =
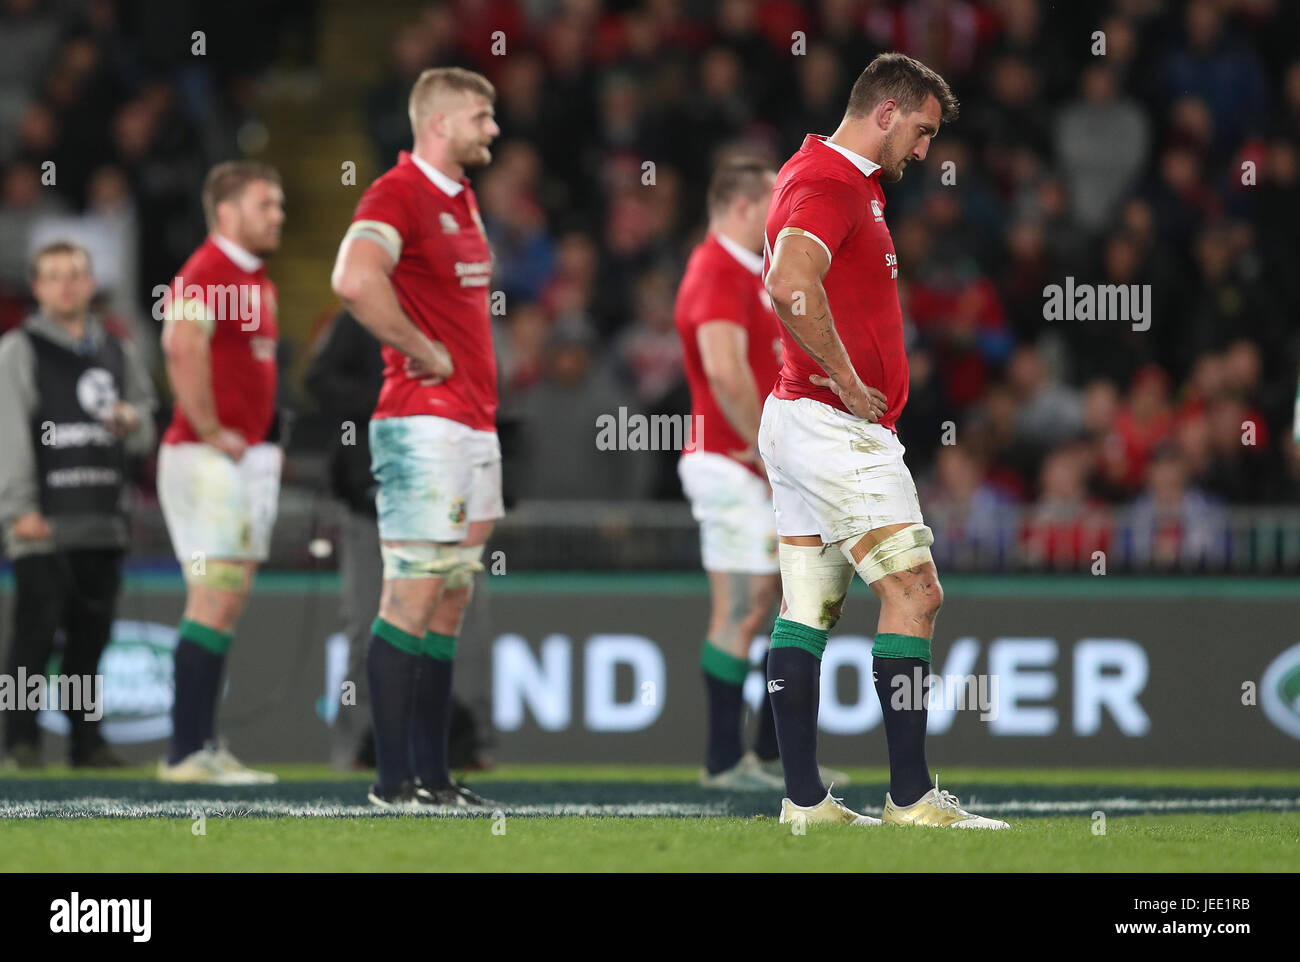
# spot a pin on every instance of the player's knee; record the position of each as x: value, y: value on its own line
x: 903, y: 552
x: 450, y: 611
x: 408, y: 604
x: 930, y: 597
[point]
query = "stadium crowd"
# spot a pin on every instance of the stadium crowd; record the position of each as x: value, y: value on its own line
x: 1168, y: 161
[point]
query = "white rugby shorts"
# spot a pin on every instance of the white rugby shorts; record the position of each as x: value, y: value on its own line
x: 215, y: 508
x: 435, y: 476
x: 734, y: 510
x: 833, y: 474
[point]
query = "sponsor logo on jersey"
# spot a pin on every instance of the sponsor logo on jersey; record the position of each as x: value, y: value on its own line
x: 474, y: 273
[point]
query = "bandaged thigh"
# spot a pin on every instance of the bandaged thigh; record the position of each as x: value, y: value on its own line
x: 457, y: 563
x: 219, y: 575
x: 904, y: 549
x: 814, y: 582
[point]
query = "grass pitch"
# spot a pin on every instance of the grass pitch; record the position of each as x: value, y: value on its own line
x: 646, y: 819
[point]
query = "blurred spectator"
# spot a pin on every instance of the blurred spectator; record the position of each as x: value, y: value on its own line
x: 1142, y: 422
x: 1102, y: 141
x: 1212, y: 63
x: 515, y: 223
x: 1065, y: 526
x: 1172, y: 525
x: 649, y: 351
x: 969, y: 516
x: 561, y: 427
x: 1049, y: 412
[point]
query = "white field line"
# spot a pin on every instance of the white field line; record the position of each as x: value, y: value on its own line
x: 93, y: 807
x: 225, y: 808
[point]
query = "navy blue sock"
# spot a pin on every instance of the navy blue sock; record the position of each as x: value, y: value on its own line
x: 431, y: 726
x: 197, y: 665
x: 724, y: 681
x: 765, y: 746
x: 794, y: 669
x: 904, y: 710
x: 391, y: 666
x: 723, y: 749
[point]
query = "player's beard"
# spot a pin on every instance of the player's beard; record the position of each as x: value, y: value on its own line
x: 891, y: 166
x: 265, y: 246
x: 473, y: 153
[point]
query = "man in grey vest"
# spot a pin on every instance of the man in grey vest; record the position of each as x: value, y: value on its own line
x: 75, y: 401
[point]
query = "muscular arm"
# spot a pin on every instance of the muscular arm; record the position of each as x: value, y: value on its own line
x: 794, y: 282
x: 361, y: 280
x: 723, y: 351
x: 189, y: 369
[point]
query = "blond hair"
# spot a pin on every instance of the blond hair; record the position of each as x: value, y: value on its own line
x: 441, y: 80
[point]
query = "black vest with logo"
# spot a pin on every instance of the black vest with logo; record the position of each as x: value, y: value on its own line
x: 81, y: 465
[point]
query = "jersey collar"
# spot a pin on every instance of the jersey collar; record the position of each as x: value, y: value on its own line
x: 857, y: 160
x: 246, y: 261
x: 748, y: 259
x: 440, y: 180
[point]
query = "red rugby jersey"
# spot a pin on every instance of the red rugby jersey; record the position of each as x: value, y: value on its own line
x: 718, y: 287
x: 239, y: 308
x: 441, y: 278
x: 821, y: 192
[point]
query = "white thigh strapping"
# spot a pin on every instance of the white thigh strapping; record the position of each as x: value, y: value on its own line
x: 814, y: 583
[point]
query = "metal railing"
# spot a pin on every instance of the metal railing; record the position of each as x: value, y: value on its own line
x: 662, y: 536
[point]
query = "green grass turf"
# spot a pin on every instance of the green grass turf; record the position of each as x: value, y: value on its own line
x: 1230, y: 842
x: 1187, y: 843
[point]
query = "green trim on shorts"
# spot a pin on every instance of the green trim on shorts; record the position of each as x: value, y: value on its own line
x: 217, y: 642
x: 795, y: 634
x: 889, y: 645
x: 399, y: 639
x: 723, y: 665
x: 441, y: 647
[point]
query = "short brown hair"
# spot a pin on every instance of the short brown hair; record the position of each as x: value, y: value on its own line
x: 897, y: 77
x: 58, y: 247
x: 734, y: 176
x: 229, y: 179
x: 437, y: 80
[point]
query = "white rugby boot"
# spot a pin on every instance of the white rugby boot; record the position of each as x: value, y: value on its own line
x: 202, y: 767
x: 233, y: 766
x: 937, y: 809
x: 747, y: 775
x: 829, y: 811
